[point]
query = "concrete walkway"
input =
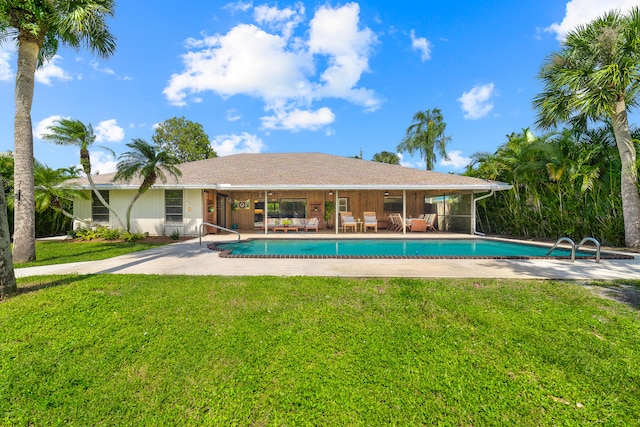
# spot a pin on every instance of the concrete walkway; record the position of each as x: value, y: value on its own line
x: 189, y: 258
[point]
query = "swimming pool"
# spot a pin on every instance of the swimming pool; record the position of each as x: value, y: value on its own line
x: 390, y: 248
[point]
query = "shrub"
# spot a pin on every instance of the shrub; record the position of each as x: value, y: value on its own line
x: 175, y: 235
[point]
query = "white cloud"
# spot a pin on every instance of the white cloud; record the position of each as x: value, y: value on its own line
x: 238, y: 6
x: 42, y: 127
x: 288, y: 74
x: 102, y: 163
x: 283, y: 20
x: 226, y: 145
x: 109, y: 131
x: 335, y: 34
x: 422, y: 45
x: 296, y: 119
x: 6, y: 52
x: 96, y: 66
x: 247, y: 61
x: 477, y: 102
x: 579, y: 12
x: 415, y: 164
x: 456, y: 160
x: 233, y: 115
x: 50, y: 71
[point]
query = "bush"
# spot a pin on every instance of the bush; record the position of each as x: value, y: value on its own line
x: 106, y: 233
x: 176, y: 234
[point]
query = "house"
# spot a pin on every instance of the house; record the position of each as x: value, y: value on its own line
x: 238, y: 191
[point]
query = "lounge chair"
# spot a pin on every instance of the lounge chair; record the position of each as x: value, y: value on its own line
x: 370, y: 221
x: 312, y: 224
x: 348, y: 221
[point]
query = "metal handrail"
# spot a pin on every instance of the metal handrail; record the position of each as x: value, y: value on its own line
x: 568, y: 240
x: 594, y: 241
x: 215, y: 226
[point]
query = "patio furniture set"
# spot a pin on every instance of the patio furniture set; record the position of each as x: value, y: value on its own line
x: 292, y: 224
x: 424, y: 222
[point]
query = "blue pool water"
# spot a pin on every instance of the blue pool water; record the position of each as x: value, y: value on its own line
x: 473, y: 248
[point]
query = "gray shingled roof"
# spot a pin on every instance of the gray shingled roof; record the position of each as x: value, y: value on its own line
x: 271, y: 171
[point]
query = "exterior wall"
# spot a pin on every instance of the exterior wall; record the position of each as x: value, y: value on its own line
x: 147, y: 214
x: 82, y: 209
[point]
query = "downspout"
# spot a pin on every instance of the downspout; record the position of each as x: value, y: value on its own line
x: 473, y: 216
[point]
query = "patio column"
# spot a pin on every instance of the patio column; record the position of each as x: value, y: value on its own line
x: 265, y: 211
x: 473, y: 215
x: 404, y: 211
x: 336, y: 213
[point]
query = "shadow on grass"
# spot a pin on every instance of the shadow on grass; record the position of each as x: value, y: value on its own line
x: 34, y: 284
x: 624, y: 291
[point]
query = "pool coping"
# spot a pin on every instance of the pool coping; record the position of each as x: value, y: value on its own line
x: 604, y: 255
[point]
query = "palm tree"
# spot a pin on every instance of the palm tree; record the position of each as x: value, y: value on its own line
x: 426, y: 136
x: 38, y: 27
x: 52, y: 191
x: 386, y: 157
x: 596, y: 76
x: 7, y: 275
x: 74, y: 132
x: 145, y: 162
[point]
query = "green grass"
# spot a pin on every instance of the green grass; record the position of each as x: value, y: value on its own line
x: 266, y: 351
x: 60, y: 252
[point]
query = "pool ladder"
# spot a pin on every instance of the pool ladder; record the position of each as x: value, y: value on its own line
x: 218, y: 227
x: 575, y: 247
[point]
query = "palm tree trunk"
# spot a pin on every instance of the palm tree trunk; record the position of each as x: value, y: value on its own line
x: 7, y: 276
x: 133, y: 201
x: 629, y: 176
x: 102, y: 200
x: 24, y: 237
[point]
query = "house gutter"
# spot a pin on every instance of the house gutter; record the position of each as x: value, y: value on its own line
x: 473, y: 217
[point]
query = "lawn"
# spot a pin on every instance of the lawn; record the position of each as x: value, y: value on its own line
x: 162, y: 350
x: 63, y: 251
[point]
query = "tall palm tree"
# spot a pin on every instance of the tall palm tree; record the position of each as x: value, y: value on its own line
x: 38, y: 27
x: 146, y: 162
x: 74, y: 132
x: 596, y: 76
x: 7, y: 275
x: 426, y: 136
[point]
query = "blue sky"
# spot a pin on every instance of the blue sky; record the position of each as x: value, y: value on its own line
x: 338, y: 78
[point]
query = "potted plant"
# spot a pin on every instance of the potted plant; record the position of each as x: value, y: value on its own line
x: 329, y: 209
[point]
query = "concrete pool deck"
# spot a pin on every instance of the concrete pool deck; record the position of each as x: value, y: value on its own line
x: 189, y: 258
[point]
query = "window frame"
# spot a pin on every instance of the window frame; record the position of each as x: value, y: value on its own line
x: 172, y: 217
x: 100, y: 214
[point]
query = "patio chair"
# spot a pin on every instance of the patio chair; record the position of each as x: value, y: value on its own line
x: 418, y: 224
x: 396, y: 222
x: 348, y: 221
x: 370, y: 221
x: 312, y: 224
x: 430, y: 220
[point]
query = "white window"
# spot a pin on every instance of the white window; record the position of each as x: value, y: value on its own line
x: 99, y: 212
x: 343, y: 204
x: 173, y: 206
